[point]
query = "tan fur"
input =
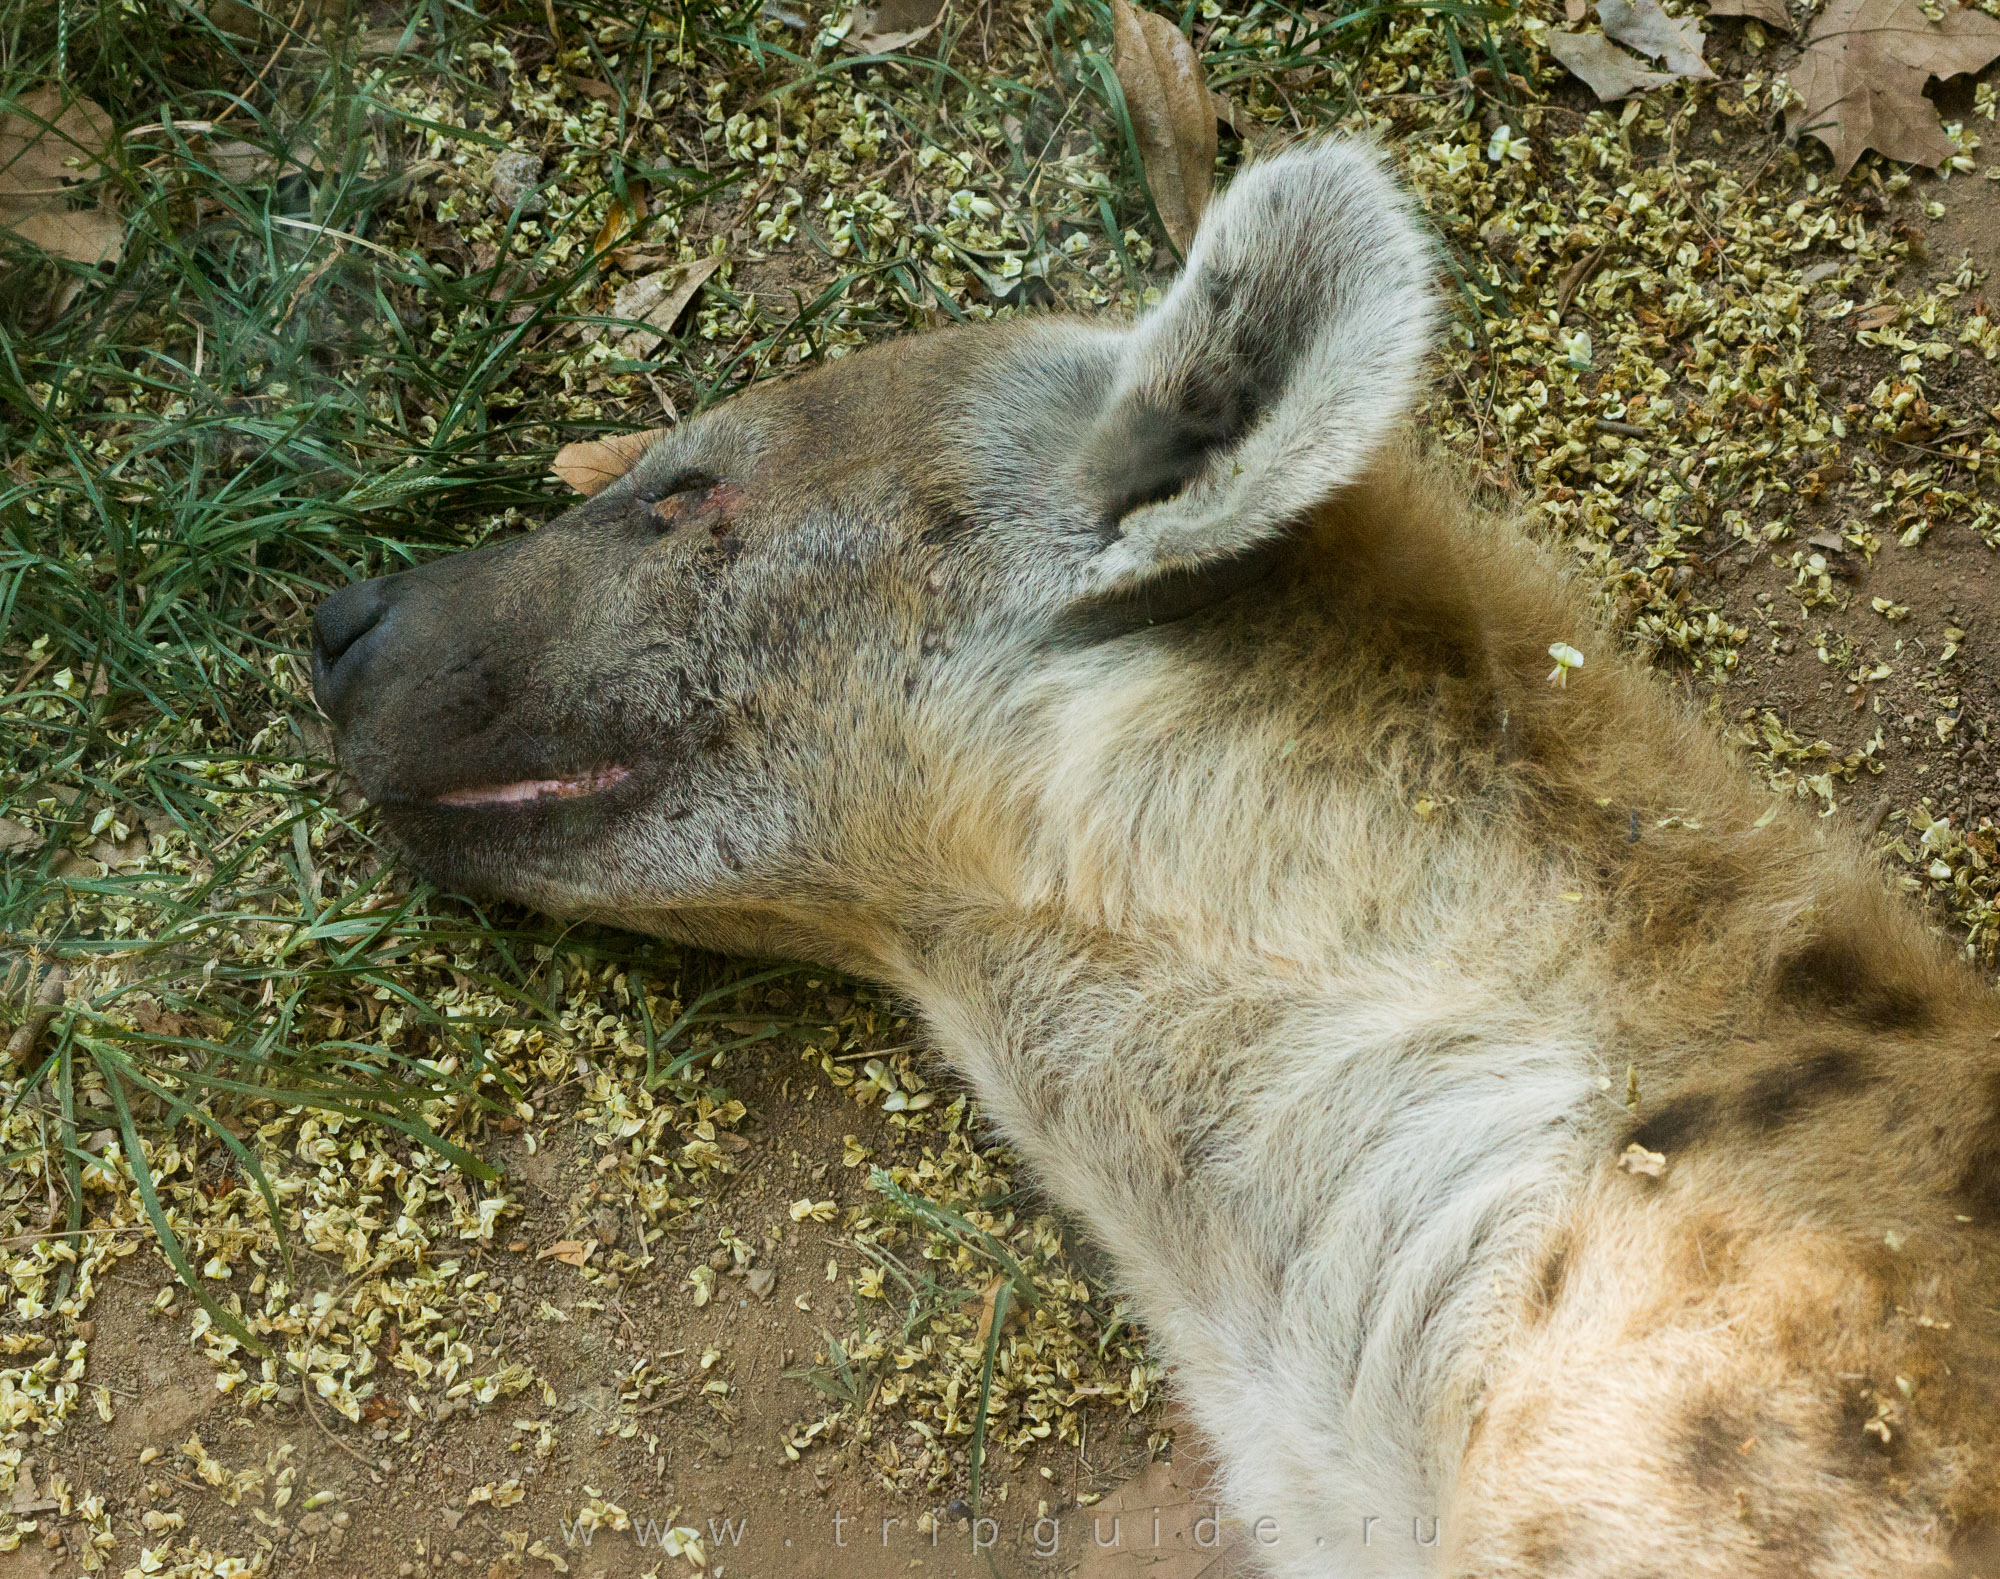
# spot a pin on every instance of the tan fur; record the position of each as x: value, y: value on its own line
x: 1306, y: 942
x: 1684, y: 1378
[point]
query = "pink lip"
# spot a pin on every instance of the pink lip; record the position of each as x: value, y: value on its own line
x: 525, y: 792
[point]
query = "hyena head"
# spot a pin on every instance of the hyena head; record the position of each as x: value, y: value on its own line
x: 709, y: 701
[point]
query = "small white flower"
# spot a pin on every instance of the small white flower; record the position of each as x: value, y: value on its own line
x: 1505, y: 145
x: 1575, y: 348
x: 1567, y: 658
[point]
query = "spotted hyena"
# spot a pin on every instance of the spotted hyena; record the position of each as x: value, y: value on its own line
x: 1140, y: 703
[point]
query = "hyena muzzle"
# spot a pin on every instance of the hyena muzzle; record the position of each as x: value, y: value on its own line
x: 1146, y: 710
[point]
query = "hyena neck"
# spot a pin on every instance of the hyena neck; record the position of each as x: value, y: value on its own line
x: 1321, y: 1180
x: 1328, y: 968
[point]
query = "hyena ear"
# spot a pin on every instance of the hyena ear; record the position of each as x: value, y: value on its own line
x: 1277, y: 364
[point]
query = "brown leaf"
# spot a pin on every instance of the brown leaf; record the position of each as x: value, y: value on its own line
x: 1172, y: 115
x: 623, y: 219
x: 248, y: 164
x: 1861, y: 80
x: 593, y: 464
x: 657, y: 301
x: 82, y: 235
x: 49, y: 146
x: 988, y: 1298
x: 1771, y: 11
x: 570, y: 1252
x: 1880, y: 316
x: 1604, y: 68
x: 1193, y: 1542
x: 1229, y: 113
x: 1642, y: 25
x: 379, y: 43
x: 45, y: 142
x: 892, y: 25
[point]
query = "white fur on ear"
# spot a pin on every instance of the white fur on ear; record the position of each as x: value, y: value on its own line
x: 1282, y: 358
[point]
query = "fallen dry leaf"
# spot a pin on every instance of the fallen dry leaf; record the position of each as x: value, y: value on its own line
x: 1643, y: 26
x: 1172, y: 116
x: 988, y: 1298
x: 894, y: 24
x: 623, y: 219
x: 379, y: 43
x: 657, y: 301
x: 1771, y: 11
x: 1189, y: 1542
x: 593, y: 464
x: 1604, y: 68
x: 1610, y: 72
x: 570, y: 1252
x: 49, y: 146
x: 248, y: 164
x: 1231, y: 114
x: 1861, y: 80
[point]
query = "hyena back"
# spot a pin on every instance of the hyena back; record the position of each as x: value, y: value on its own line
x: 1498, y: 1116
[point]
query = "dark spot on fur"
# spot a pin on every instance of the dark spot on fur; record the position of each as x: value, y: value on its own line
x: 1777, y: 1095
x: 1679, y: 1120
x: 1542, y: 1547
x: 1709, y: 1442
x: 1835, y: 974
x: 1975, y: 1550
x: 1549, y: 1281
x: 1978, y: 1188
x: 1455, y: 659
x: 1856, y: 1451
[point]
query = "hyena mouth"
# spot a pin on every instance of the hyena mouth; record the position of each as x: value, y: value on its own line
x: 530, y: 792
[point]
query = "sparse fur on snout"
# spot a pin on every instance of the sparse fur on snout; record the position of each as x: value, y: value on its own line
x: 1170, y: 730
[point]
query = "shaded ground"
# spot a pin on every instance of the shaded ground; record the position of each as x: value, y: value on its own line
x: 688, y: 1299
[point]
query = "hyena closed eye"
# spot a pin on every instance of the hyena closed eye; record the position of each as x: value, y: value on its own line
x: 1138, y: 704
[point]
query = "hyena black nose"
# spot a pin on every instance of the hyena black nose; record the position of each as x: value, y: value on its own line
x: 346, y: 628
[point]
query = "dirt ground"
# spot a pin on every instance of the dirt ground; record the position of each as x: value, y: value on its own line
x: 403, y: 1495
x: 671, y: 1364
x: 1941, y: 654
